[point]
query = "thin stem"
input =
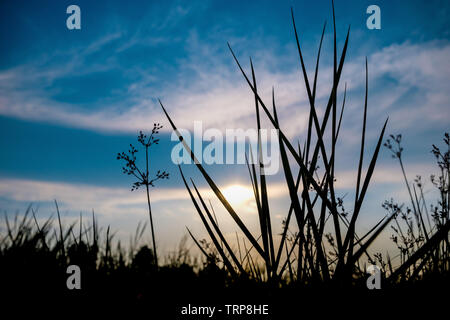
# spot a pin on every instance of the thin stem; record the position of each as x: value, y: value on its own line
x: 407, y: 184
x: 149, y: 206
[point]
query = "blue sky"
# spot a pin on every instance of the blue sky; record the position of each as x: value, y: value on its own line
x: 71, y: 99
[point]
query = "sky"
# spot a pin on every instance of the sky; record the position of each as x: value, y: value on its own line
x: 70, y: 100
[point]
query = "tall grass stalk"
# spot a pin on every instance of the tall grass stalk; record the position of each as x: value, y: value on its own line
x: 143, y: 176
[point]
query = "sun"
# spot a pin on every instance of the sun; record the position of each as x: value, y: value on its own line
x: 237, y: 194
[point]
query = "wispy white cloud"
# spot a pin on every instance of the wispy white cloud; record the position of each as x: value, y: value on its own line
x: 383, y: 174
x: 109, y: 200
x: 86, y: 197
x: 114, y: 201
x: 221, y: 99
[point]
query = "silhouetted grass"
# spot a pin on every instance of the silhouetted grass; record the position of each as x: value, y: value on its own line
x: 143, y: 174
x: 34, y: 259
x: 315, y: 203
x: 312, y: 205
x: 424, y: 248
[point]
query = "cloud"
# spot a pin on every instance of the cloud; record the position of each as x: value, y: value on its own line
x: 424, y: 71
x: 172, y: 208
x: 383, y: 174
x: 114, y: 200
x: 108, y: 199
x: 81, y: 197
